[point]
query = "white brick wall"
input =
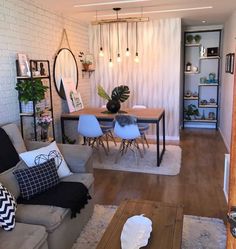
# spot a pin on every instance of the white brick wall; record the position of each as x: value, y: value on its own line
x: 29, y: 28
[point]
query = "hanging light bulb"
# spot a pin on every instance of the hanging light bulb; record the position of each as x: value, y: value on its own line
x: 136, y: 54
x: 110, y: 63
x: 136, y: 59
x: 101, y: 54
x: 127, y: 53
x: 118, y: 58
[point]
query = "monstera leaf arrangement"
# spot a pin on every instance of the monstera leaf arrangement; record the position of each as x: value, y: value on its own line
x: 119, y: 94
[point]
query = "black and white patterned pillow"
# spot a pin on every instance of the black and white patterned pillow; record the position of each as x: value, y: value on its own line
x: 7, y: 209
x: 37, y: 179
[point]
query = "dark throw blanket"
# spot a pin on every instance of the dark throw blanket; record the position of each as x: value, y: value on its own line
x: 72, y: 195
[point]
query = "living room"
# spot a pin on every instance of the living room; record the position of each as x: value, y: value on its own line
x: 157, y: 79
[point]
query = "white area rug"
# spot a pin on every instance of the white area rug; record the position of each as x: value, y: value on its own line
x: 198, y: 232
x: 170, y: 164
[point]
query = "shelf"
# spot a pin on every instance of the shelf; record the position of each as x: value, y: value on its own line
x: 208, y: 106
x: 29, y: 114
x: 208, y: 84
x: 190, y: 98
x: 90, y: 71
x: 193, y: 45
x: 209, y: 58
x: 34, y: 77
x: 201, y: 120
x: 191, y: 72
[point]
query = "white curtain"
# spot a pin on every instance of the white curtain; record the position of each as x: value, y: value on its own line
x: 155, y: 80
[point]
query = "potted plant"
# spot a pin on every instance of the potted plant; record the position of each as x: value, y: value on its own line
x: 197, y: 39
x: 31, y: 91
x: 85, y: 62
x: 191, y: 110
x: 119, y: 94
x: 189, y: 39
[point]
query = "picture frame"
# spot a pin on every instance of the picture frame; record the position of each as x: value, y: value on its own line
x: 228, y: 63
x: 232, y: 59
x: 73, y: 96
x: 42, y: 68
x: 23, y: 65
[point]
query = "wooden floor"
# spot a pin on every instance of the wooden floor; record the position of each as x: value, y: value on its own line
x: 198, y: 187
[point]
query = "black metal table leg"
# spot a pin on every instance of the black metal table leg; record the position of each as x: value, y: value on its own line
x: 158, y: 143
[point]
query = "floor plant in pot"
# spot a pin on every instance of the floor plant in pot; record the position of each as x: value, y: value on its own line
x: 119, y: 95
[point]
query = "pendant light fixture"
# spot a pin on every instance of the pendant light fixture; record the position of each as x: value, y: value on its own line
x: 101, y: 49
x: 109, y: 36
x: 118, y: 35
x: 136, y: 54
x: 127, y: 37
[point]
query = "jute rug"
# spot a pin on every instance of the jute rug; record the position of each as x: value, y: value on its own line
x: 198, y: 232
x: 170, y: 164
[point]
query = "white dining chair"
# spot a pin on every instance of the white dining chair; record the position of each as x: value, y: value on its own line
x: 90, y: 129
x: 143, y: 127
x: 129, y: 134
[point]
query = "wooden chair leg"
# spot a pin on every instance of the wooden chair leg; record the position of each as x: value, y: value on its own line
x: 112, y: 137
x: 119, y: 151
x: 144, y: 136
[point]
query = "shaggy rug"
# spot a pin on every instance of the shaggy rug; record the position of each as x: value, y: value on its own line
x: 170, y: 164
x: 198, y: 232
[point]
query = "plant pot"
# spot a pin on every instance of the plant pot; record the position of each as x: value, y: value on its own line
x: 27, y: 108
x: 113, y: 106
x: 86, y: 66
x: 44, y: 134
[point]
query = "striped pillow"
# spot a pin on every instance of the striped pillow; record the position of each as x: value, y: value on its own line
x: 7, y: 209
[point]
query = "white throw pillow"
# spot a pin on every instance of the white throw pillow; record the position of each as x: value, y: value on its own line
x: 29, y: 158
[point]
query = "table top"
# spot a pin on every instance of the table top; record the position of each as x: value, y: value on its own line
x: 167, y: 223
x: 148, y: 114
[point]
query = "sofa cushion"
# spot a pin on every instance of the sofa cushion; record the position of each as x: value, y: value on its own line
x: 9, y: 180
x: 38, y: 179
x: 8, y: 154
x: 24, y: 236
x: 7, y: 209
x: 86, y: 178
x: 48, y: 216
x: 15, y: 136
x: 30, y: 156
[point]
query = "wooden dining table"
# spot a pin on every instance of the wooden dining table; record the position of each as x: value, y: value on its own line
x: 147, y: 115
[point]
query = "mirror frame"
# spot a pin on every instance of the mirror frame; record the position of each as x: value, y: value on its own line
x: 62, y: 94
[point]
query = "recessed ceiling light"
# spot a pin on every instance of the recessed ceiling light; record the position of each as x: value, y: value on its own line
x: 109, y: 3
x: 204, y: 21
x: 161, y: 11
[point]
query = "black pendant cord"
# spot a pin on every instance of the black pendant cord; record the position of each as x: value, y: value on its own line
x: 118, y: 38
x: 109, y: 35
x: 100, y: 36
x: 127, y: 36
x: 136, y: 38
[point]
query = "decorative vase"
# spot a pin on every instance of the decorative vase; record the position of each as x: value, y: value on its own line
x: 113, y: 106
x: 86, y: 66
x: 44, y: 133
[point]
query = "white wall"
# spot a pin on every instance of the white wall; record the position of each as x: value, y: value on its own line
x: 229, y: 42
x: 29, y: 28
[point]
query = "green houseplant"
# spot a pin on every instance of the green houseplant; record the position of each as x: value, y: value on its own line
x: 119, y: 94
x: 191, y: 110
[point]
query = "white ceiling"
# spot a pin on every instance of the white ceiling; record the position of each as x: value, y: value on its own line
x: 219, y: 12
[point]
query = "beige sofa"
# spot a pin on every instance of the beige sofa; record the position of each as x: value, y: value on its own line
x: 42, y: 227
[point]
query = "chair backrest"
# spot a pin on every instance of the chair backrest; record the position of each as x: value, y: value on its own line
x: 130, y: 131
x: 139, y: 107
x: 89, y: 126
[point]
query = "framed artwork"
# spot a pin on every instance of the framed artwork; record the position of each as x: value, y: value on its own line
x: 73, y: 97
x: 232, y: 57
x: 227, y: 63
x: 42, y: 68
x: 23, y: 65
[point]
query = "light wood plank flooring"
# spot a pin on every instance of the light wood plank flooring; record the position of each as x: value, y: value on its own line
x: 198, y: 187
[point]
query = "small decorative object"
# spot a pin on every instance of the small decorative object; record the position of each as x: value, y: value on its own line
x: 189, y: 39
x: 203, y: 102
x: 212, y: 51
x: 203, y: 115
x: 44, y: 123
x: 136, y: 232
x: 202, y: 52
x: 195, y: 94
x: 188, y: 67
x: 197, y: 38
x: 203, y: 80
x: 191, y: 110
x: 212, y: 101
x: 195, y: 69
x: 86, y: 63
x: 23, y: 65
x: 188, y: 94
x: 42, y: 69
x: 211, y: 116
x: 119, y: 94
x: 212, y: 77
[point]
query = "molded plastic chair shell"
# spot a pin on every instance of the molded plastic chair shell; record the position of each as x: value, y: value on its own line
x: 127, y: 132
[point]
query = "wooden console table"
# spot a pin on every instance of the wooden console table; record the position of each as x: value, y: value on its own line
x: 167, y: 223
x: 147, y: 115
